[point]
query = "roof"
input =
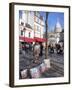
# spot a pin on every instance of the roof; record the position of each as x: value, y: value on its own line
x: 58, y: 27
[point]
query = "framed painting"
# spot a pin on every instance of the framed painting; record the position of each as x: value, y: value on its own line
x: 39, y: 44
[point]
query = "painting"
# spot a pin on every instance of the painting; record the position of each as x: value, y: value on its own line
x: 39, y: 44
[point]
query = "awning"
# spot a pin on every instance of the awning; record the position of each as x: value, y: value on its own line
x: 26, y: 39
x: 39, y: 39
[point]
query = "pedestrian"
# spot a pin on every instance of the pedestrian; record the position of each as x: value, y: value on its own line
x: 58, y: 48
x: 30, y: 46
x: 36, y: 50
x: 51, y: 48
x: 41, y: 49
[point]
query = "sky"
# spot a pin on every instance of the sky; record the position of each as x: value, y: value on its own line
x: 52, y: 19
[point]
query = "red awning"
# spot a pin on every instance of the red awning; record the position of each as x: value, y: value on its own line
x: 26, y: 39
x: 39, y: 39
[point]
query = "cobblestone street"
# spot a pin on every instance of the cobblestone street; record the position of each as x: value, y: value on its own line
x: 56, y: 62
x: 57, y: 66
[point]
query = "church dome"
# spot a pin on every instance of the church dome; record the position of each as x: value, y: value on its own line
x: 58, y: 27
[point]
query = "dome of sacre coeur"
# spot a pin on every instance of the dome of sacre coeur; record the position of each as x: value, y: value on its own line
x: 58, y: 27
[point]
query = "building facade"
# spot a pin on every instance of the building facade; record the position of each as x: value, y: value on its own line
x: 31, y: 26
x: 26, y: 27
x: 57, y: 36
x: 38, y: 26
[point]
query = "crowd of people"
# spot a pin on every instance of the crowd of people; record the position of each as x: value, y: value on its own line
x: 32, y: 47
x: 38, y: 48
x: 59, y: 49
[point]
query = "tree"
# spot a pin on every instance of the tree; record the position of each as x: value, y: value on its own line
x: 46, y: 49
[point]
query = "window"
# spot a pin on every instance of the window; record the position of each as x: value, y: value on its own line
x: 21, y: 32
x: 29, y: 34
x: 20, y: 14
x: 38, y: 14
x: 37, y: 20
x: 22, y: 23
x: 52, y: 36
x: 38, y: 28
